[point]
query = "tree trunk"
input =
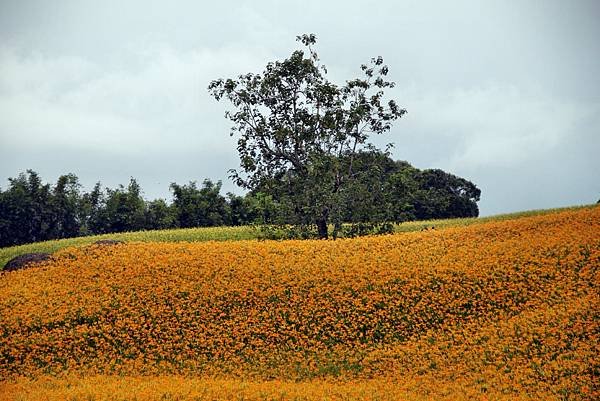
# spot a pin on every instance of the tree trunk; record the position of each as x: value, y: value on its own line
x: 322, y: 223
x: 322, y: 228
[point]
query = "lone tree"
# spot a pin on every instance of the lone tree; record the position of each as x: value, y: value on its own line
x: 297, y: 128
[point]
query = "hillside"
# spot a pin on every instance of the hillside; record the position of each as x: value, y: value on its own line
x: 505, y: 309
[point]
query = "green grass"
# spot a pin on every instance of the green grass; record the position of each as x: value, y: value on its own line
x: 174, y: 235
x: 240, y: 233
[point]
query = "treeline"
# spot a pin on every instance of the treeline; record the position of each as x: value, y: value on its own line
x: 385, y: 190
x: 32, y: 211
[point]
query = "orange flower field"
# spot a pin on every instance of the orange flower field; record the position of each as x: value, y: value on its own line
x: 500, y: 310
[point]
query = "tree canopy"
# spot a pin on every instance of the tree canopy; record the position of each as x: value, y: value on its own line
x: 296, y: 127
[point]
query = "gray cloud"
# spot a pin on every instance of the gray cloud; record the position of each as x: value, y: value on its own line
x: 503, y: 93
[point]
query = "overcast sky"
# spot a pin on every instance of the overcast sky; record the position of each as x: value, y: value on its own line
x: 503, y: 93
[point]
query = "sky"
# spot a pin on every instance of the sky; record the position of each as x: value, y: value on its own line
x: 503, y: 93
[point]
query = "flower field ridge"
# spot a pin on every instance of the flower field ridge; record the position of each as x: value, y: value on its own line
x: 499, y: 310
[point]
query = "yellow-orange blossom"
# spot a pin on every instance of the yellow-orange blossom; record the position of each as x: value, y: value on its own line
x: 508, y: 308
